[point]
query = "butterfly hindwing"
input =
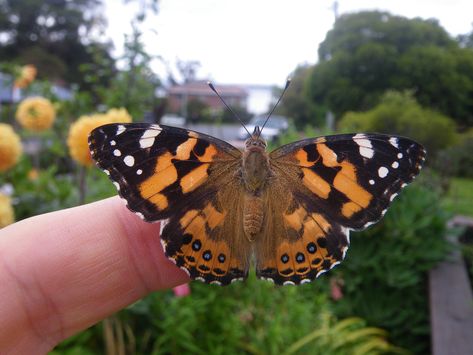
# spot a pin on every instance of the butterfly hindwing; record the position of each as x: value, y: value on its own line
x: 207, y: 238
x: 297, y: 245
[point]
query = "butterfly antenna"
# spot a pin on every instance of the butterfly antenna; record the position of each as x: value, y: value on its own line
x: 233, y: 112
x: 288, y: 82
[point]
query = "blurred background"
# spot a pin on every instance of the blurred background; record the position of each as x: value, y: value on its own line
x: 400, y: 67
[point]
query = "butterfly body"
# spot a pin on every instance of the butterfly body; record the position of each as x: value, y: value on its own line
x: 255, y: 177
x: 289, y: 210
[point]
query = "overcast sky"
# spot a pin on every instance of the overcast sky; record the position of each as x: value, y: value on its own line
x: 260, y: 41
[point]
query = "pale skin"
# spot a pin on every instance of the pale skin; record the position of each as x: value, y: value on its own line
x: 64, y: 271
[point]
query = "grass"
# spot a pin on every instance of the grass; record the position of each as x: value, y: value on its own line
x: 459, y: 198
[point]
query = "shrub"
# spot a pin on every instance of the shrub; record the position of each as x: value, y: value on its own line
x: 385, y: 274
x: 254, y: 317
x: 457, y: 160
x: 399, y: 113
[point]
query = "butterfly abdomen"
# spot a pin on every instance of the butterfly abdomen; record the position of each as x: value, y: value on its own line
x: 252, y: 216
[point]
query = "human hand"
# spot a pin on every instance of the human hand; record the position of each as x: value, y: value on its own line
x: 64, y: 271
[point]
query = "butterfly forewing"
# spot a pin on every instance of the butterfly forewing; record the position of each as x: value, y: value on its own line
x: 155, y: 168
x: 350, y: 178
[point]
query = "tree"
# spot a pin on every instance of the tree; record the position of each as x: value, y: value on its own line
x: 134, y: 87
x: 296, y: 103
x: 54, y: 35
x: 367, y: 53
x: 188, y: 70
x: 466, y: 40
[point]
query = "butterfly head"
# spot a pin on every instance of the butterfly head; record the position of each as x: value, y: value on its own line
x: 255, y: 141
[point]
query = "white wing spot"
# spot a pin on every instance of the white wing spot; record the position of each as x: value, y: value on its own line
x: 163, y: 243
x: 399, y: 155
x: 107, y: 172
x: 117, y: 153
x: 116, y: 185
x: 139, y: 172
x: 366, y: 152
x: 288, y: 283
x: 383, y: 172
x: 320, y: 273
x: 364, y: 144
x: 139, y: 214
x: 371, y: 182
x: 185, y: 270
x: 267, y: 279
x: 147, y: 139
x: 113, y: 142
x: 346, y: 231
x: 344, y: 252
x: 129, y: 160
x: 393, y: 196
x: 161, y: 228
x: 393, y: 141
x: 334, y: 264
x: 368, y: 224
x: 395, y: 165
x: 121, y: 128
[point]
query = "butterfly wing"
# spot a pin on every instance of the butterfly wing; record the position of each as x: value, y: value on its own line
x: 183, y: 176
x: 337, y: 183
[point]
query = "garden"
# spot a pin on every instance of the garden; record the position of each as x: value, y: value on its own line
x: 416, y: 82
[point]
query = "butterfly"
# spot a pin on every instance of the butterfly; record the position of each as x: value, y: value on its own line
x: 288, y: 211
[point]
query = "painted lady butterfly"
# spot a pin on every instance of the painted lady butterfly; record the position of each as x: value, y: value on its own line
x: 291, y: 210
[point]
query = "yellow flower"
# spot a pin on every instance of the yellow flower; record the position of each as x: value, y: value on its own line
x: 77, y: 141
x: 33, y: 174
x: 119, y: 115
x: 26, y: 77
x: 7, y: 216
x: 36, y: 113
x: 10, y: 147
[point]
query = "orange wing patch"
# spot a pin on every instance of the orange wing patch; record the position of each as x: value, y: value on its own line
x: 346, y: 182
x: 316, y: 184
x: 166, y: 173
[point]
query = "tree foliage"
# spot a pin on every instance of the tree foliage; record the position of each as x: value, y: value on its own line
x: 51, y: 35
x: 367, y: 53
x: 296, y: 103
x: 401, y: 114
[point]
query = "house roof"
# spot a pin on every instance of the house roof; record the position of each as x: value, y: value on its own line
x: 201, y: 88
